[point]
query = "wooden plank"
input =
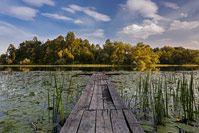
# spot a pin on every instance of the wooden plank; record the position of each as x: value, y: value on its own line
x: 96, y: 111
x: 100, y: 126
x: 97, y: 101
x: 85, y: 98
x: 104, y: 77
x: 107, y: 120
x: 73, y: 122
x: 108, y: 102
x: 132, y: 122
x: 103, y: 122
x: 117, y: 100
x: 103, y: 82
x: 118, y: 122
x: 87, y: 124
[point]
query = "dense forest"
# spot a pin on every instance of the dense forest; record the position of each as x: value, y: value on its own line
x: 72, y: 50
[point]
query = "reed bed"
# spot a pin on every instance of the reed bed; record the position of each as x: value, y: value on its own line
x: 162, y: 100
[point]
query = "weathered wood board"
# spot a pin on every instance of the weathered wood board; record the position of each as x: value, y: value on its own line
x: 100, y: 109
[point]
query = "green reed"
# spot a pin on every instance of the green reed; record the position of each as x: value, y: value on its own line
x: 187, y: 98
x: 59, y: 96
x: 166, y: 94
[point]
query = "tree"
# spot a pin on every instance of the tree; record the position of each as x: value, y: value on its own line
x: 107, y: 52
x: 31, y: 50
x: 3, y: 59
x: 118, y: 55
x: 69, y: 49
x: 11, y: 54
x: 166, y: 55
x: 86, y: 56
x: 142, y: 55
x: 25, y: 62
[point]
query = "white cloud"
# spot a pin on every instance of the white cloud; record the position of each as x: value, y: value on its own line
x: 78, y: 21
x: 68, y: 9
x: 20, y: 12
x: 146, y: 8
x: 184, y: 15
x: 11, y: 29
x: 171, y: 5
x: 59, y: 17
x: 185, y: 25
x: 90, y: 12
x: 56, y: 16
x: 195, y: 42
x: 40, y: 2
x: 143, y: 31
x: 97, y: 33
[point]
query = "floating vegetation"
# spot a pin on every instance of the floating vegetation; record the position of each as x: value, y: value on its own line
x: 162, y: 101
x: 26, y: 100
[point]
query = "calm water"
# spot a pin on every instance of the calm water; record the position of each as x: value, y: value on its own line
x: 99, y: 69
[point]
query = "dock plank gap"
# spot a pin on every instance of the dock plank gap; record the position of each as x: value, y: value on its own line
x: 100, y: 109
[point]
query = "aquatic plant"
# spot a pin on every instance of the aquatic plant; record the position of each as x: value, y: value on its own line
x: 26, y: 100
x: 162, y: 98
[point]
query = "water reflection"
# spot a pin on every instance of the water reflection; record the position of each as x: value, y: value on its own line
x: 100, y: 69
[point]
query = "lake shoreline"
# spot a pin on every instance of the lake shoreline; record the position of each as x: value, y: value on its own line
x: 100, y: 65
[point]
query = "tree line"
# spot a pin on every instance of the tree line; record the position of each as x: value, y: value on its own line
x: 72, y: 50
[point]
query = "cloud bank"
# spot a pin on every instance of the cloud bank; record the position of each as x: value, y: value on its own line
x: 92, y: 13
x: 144, y: 30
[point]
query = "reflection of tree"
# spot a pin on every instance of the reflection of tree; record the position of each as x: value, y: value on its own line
x: 25, y: 69
x: 8, y: 69
x: 138, y: 68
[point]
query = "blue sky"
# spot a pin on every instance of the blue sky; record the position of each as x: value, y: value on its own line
x: 154, y: 22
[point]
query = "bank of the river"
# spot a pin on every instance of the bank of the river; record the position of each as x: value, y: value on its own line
x: 101, y: 65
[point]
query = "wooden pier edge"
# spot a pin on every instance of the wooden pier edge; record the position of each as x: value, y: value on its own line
x: 100, y: 109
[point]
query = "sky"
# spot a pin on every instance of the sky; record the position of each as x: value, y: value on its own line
x: 154, y: 22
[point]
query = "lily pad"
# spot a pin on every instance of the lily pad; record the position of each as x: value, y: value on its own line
x: 165, y: 129
x: 186, y: 127
x: 147, y: 128
x: 144, y: 122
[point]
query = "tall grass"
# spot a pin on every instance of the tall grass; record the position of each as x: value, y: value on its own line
x: 59, y: 97
x: 165, y: 96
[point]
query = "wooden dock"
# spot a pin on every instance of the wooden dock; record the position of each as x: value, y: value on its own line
x: 100, y: 109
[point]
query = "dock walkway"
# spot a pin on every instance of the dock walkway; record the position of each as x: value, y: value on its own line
x: 100, y: 109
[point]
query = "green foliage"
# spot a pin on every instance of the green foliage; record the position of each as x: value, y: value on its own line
x: 143, y: 55
x: 177, y: 55
x: 25, y: 61
x: 3, y: 59
x: 8, y: 61
x: 72, y: 50
x: 11, y: 54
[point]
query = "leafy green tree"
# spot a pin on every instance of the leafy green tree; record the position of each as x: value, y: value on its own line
x: 87, y: 56
x: 3, y: 59
x: 118, y: 55
x: 69, y: 49
x: 166, y: 55
x: 31, y: 50
x: 11, y: 54
x: 25, y: 62
x: 142, y: 55
x: 107, y: 52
